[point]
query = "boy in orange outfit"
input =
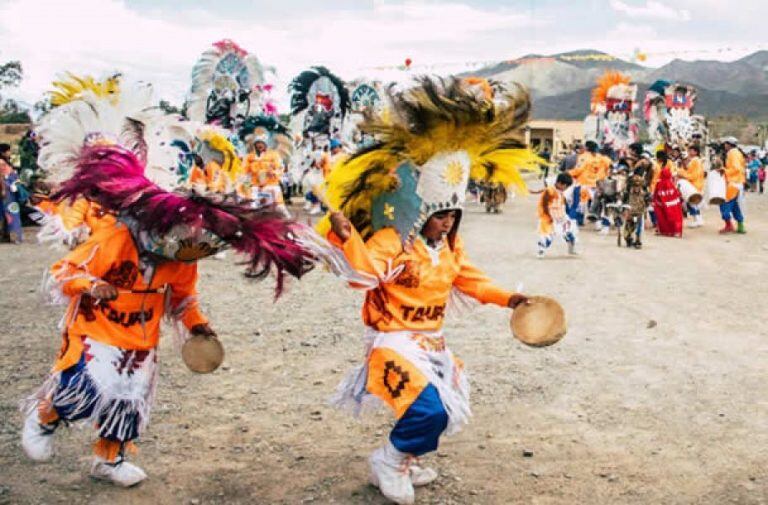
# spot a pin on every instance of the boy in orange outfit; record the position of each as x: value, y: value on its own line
x: 553, y: 219
x: 106, y: 371
x: 397, y: 228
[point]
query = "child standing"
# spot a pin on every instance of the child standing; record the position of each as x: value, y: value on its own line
x: 553, y: 219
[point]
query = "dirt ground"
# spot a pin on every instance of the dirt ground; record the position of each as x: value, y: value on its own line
x: 656, y: 395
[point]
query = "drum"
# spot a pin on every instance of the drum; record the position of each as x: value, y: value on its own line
x: 202, y: 354
x: 715, y: 188
x: 689, y: 192
x: 539, y: 323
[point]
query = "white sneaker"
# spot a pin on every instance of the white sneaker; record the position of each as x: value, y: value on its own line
x: 421, y: 476
x: 389, y: 472
x: 307, y: 205
x: 316, y: 210
x: 121, y: 473
x: 36, y: 438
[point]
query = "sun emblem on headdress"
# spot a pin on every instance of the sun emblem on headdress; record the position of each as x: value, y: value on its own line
x: 389, y: 212
x: 454, y: 173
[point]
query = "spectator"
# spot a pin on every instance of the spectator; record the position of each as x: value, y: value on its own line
x: 10, y: 204
x: 753, y: 167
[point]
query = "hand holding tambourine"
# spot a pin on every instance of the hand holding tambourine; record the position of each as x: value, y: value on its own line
x: 202, y: 352
x: 537, y: 321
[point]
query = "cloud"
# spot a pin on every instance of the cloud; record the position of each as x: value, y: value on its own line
x: 651, y: 10
x: 100, y: 36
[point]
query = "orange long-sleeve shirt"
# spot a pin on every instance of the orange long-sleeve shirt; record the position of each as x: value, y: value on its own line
x: 735, y: 167
x: 590, y: 169
x: 265, y: 169
x: 693, y: 173
x: 416, y: 298
x: 132, y: 321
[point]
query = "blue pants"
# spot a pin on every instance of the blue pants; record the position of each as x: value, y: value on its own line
x: 419, y: 430
x: 573, y: 209
x: 732, y: 209
x: 75, y: 379
x: 693, y: 210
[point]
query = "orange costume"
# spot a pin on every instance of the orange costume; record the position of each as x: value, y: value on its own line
x: 590, y: 168
x: 406, y: 309
x: 693, y: 173
x: 72, y: 222
x: 209, y: 179
x: 107, y: 367
x: 554, y: 221
x: 735, y: 173
x: 265, y: 169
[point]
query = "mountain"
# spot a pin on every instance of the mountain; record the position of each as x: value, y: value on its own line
x: 736, y: 77
x: 559, y: 73
x: 561, y: 83
x: 711, y: 103
x: 758, y: 60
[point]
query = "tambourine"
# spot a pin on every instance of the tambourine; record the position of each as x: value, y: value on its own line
x: 539, y: 323
x: 202, y: 354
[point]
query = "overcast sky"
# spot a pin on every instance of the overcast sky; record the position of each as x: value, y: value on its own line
x: 159, y: 40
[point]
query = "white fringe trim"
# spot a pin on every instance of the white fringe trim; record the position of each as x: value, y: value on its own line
x: 352, y: 394
x: 118, y: 396
x: 53, y: 232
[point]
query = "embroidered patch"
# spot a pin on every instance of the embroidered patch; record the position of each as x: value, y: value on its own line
x: 395, y: 379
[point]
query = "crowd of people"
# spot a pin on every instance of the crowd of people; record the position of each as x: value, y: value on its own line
x: 636, y: 190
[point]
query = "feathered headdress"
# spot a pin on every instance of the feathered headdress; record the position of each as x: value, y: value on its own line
x: 99, y: 151
x: 182, y: 224
x: 269, y: 130
x: 93, y: 118
x: 613, y: 86
x: 72, y: 87
x: 318, y: 86
x: 225, y: 80
x: 430, y: 142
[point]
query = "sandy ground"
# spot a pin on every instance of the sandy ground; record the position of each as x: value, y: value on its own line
x: 656, y: 395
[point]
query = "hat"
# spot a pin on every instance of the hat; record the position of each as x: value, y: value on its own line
x: 435, y: 136
x: 731, y: 140
x: 335, y: 143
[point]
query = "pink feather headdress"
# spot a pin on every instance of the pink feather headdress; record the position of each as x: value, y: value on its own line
x: 114, y: 177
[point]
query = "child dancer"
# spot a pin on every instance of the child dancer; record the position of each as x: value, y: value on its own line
x: 553, y: 220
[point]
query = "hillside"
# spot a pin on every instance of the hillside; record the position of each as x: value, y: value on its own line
x: 711, y: 103
x: 561, y: 83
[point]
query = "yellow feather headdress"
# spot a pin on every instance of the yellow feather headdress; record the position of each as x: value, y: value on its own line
x: 447, y: 133
x: 224, y: 150
x: 73, y: 88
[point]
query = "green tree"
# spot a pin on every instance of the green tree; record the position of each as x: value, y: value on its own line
x: 11, y: 112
